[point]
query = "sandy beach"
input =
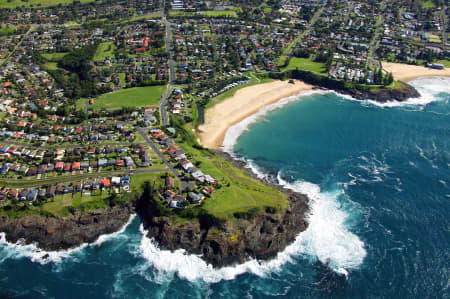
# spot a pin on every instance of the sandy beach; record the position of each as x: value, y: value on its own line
x: 406, y: 72
x: 244, y: 103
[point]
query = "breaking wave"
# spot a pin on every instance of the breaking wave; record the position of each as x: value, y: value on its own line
x: 20, y: 249
x: 427, y: 87
x: 327, y: 239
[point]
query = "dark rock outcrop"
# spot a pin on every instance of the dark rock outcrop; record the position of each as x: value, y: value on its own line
x: 56, y: 233
x: 261, y: 237
x: 235, y: 241
x: 385, y: 95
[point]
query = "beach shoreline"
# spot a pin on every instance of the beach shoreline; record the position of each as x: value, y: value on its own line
x: 407, y: 73
x: 244, y: 103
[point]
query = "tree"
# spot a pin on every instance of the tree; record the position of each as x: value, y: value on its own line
x: 389, y: 79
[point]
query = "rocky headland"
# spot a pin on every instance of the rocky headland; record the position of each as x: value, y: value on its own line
x: 58, y: 233
x: 235, y: 241
x: 384, y: 95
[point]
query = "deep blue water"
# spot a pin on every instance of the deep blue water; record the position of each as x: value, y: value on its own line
x: 379, y: 181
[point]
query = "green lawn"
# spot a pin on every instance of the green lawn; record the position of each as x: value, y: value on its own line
x: 105, y: 50
x: 80, y: 103
x: 7, y: 30
x: 52, y: 66
x: 130, y: 97
x: 395, y: 85
x: 122, y: 79
x: 239, y: 192
x: 19, y: 3
x: 428, y: 4
x: 207, y: 13
x: 306, y: 64
x: 446, y: 63
x: 138, y: 180
x: 225, y: 13
x: 54, y: 56
x: 61, y: 203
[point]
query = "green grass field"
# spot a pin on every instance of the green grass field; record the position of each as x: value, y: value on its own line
x: 207, y: 13
x: 61, y: 203
x: 395, y: 85
x: 7, y: 30
x: 19, y: 3
x: 131, y: 97
x: 305, y: 64
x: 428, y: 4
x: 446, y: 63
x: 138, y: 180
x: 54, y: 57
x: 80, y: 103
x: 225, y: 13
x: 122, y: 79
x: 239, y: 192
x: 52, y: 66
x: 105, y: 50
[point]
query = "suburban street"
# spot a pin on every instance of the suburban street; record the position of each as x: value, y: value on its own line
x: 54, y: 147
x: 165, y: 97
x: 47, y: 181
x: 5, y: 61
x: 156, y: 150
x: 374, y: 44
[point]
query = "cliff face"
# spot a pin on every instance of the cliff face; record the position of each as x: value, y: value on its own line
x: 234, y: 242
x: 55, y: 233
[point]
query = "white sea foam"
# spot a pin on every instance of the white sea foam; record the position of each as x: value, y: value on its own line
x: 107, y: 237
x: 236, y: 130
x: 36, y: 255
x: 427, y: 87
x: 326, y: 239
x: 20, y: 250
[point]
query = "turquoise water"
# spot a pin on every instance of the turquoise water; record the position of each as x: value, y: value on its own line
x: 379, y: 181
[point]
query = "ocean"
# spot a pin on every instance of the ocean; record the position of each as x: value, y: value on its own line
x: 379, y: 182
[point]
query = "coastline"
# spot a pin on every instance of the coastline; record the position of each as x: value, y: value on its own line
x: 56, y: 234
x: 78, y: 230
x: 407, y: 73
x: 244, y: 103
x: 259, y: 238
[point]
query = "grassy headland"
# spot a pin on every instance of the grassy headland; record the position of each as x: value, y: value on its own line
x: 239, y: 193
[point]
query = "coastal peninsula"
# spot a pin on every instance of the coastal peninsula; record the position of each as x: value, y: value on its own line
x: 118, y: 109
